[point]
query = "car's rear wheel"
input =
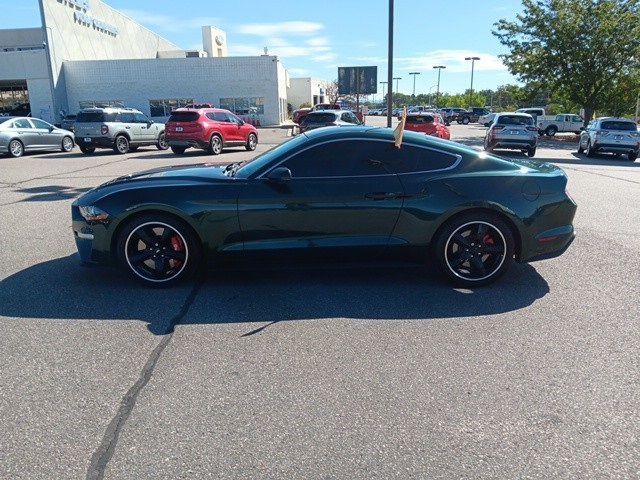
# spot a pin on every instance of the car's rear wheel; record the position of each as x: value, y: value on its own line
x: 531, y: 152
x: 215, y: 144
x: 632, y: 157
x: 87, y: 150
x: 162, y: 142
x: 466, y: 120
x: 121, y: 145
x: 158, y: 250
x: 474, y: 249
x: 580, y: 149
x: 252, y: 142
x: 16, y: 148
x: 589, y: 149
x: 551, y: 131
x: 178, y: 150
x: 67, y: 144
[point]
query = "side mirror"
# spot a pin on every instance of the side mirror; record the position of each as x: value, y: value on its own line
x: 51, y: 128
x: 279, y: 175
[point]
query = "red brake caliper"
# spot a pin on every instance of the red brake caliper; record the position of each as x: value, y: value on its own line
x: 178, y: 246
x: 488, y: 240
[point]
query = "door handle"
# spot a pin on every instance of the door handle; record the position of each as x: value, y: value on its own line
x: 381, y: 195
x: 127, y: 128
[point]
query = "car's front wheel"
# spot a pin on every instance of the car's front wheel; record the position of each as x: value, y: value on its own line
x: 67, y: 144
x: 158, y: 250
x: 531, y: 152
x: 589, y: 149
x: 16, y: 148
x: 466, y: 120
x: 178, y: 150
x: 551, y: 131
x: 474, y: 249
x: 252, y: 142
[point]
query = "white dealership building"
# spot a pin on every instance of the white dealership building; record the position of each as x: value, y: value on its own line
x: 86, y: 53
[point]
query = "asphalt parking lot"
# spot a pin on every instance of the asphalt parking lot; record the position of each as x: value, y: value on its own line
x: 360, y: 372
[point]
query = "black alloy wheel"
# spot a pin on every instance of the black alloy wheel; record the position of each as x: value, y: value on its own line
x: 252, y: 142
x: 16, y: 148
x: 162, y: 142
x: 158, y: 250
x: 67, y: 144
x: 475, y: 249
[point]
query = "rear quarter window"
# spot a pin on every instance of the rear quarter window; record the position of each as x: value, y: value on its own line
x: 90, y: 117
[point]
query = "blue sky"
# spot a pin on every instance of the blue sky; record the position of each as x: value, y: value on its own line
x: 314, y: 37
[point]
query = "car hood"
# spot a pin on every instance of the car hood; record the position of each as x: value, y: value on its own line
x: 198, y: 172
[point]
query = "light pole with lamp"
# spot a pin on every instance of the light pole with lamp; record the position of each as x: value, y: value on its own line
x: 397, y: 79
x: 414, y: 82
x: 473, y: 62
x: 439, y: 67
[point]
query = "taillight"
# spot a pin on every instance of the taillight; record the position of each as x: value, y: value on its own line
x: 532, y: 129
x: 104, y: 129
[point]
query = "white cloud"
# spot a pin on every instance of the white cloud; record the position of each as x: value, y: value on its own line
x: 318, y: 42
x: 168, y: 23
x: 325, y: 57
x: 280, y: 28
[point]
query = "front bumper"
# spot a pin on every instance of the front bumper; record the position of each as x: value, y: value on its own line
x: 92, y: 239
x: 95, y: 142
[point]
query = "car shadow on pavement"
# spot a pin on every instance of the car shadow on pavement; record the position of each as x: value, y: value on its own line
x: 62, y: 289
x: 50, y: 193
x: 598, y: 160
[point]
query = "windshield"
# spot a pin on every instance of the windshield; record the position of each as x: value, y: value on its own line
x: 617, y: 125
x: 261, y: 161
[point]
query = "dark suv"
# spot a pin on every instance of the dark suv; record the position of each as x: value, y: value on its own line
x: 123, y: 129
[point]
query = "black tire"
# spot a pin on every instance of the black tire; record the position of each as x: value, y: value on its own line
x: 67, y: 144
x: 16, y: 148
x: 87, y: 150
x: 551, y: 131
x: 632, y: 157
x: 589, y: 151
x: 121, y: 145
x: 252, y: 142
x: 469, y: 263
x: 215, y: 144
x: 133, y: 148
x: 162, y: 142
x: 531, y: 152
x: 172, y: 254
x: 466, y: 120
x: 580, y: 149
x: 178, y: 150
x: 487, y: 145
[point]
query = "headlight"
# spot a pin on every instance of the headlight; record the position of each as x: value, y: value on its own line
x: 92, y: 213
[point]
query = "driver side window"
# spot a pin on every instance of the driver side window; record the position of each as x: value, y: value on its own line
x: 140, y: 118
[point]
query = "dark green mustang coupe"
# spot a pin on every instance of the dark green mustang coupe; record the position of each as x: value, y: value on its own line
x: 332, y: 194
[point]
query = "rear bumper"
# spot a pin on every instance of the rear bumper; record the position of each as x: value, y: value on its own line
x: 187, y: 143
x: 515, y: 144
x: 95, y: 142
x: 615, y: 148
x: 556, y: 247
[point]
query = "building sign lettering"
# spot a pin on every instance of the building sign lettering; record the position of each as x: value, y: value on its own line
x: 83, y: 16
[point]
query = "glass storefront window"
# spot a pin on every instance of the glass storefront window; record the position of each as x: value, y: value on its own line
x: 163, y: 108
x: 244, y: 105
x: 101, y: 104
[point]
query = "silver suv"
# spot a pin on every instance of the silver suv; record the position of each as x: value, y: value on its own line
x: 513, y: 131
x: 610, y: 135
x: 123, y: 129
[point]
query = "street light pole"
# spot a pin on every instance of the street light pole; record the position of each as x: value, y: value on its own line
x: 414, y: 82
x: 473, y: 62
x: 439, y: 67
x: 396, y: 79
x: 390, y: 65
x: 383, y: 85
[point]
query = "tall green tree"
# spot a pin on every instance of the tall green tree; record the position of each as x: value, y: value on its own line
x: 577, y: 49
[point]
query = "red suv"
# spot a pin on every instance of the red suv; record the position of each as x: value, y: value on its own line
x: 210, y: 129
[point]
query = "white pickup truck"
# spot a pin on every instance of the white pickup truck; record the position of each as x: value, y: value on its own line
x: 565, y: 122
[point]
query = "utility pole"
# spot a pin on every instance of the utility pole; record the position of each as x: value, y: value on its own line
x: 390, y: 65
x: 439, y: 67
x: 397, y: 79
x: 414, y: 82
x: 473, y: 62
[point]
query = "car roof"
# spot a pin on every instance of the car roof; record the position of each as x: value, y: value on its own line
x: 617, y: 119
x: 514, y: 114
x: 109, y: 109
x: 202, y: 110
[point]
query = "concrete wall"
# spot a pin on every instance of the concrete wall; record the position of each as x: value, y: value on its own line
x: 302, y: 90
x: 21, y: 37
x: 70, y: 38
x: 135, y: 82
